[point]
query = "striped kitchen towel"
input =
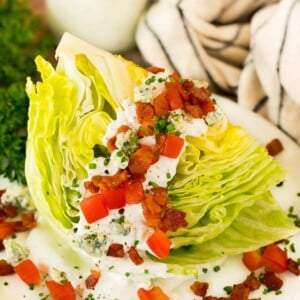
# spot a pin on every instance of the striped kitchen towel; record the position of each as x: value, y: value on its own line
x: 210, y: 40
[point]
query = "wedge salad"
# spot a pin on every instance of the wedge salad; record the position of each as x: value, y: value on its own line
x: 140, y: 172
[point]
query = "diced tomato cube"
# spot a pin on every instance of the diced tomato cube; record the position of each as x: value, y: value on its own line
x: 172, y: 146
x: 134, y: 192
x: 61, y: 291
x: 94, y: 208
x: 115, y: 198
x: 159, y: 243
x: 28, y: 272
x: 274, y: 258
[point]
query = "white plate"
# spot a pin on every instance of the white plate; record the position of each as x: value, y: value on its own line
x: 47, y: 249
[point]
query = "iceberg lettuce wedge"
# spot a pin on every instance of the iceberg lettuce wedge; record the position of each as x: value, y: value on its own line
x: 223, y: 178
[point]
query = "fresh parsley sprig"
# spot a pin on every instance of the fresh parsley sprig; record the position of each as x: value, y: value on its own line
x: 21, y: 40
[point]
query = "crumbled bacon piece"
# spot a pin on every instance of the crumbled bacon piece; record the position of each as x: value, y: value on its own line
x: 144, y: 112
x: 116, y: 250
x: 1, y: 245
x: 140, y: 161
x: 252, y: 282
x: 239, y: 292
x: 1, y: 193
x: 172, y: 219
x: 161, y: 105
x: 157, y: 213
x: 88, y: 185
x: 271, y: 281
x: 6, y: 268
x: 9, y: 211
x: 28, y: 220
x: 199, y: 288
x: 134, y: 256
x: 110, y: 182
x: 293, y: 267
x: 209, y: 298
x: 92, y: 279
x: 274, y: 147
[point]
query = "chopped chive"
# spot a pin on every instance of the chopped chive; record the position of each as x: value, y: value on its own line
x: 111, y: 267
x: 168, y: 175
x: 216, y: 268
x: 92, y: 166
x: 153, y: 184
x: 150, y: 80
x: 204, y: 270
x: 228, y: 289
x: 127, y: 274
x: 146, y: 271
x: 292, y: 247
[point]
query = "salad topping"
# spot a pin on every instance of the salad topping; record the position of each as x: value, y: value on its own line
x: 125, y: 197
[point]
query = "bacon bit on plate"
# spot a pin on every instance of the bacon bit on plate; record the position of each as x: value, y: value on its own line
x: 271, y: 281
x: 1, y: 245
x: 88, y: 185
x: 6, y: 268
x: 199, y: 288
x: 110, y: 182
x: 252, y: 282
x: 172, y: 219
x: 116, y: 250
x: 140, y: 161
x: 92, y: 279
x: 274, y: 147
x: 144, y: 112
x: 239, y: 292
x: 134, y: 256
x: 293, y: 267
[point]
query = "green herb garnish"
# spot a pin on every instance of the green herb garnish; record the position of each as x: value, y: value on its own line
x: 20, y: 44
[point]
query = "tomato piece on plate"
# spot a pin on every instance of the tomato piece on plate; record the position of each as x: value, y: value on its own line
x: 115, y: 198
x: 134, y: 192
x: 252, y: 260
x: 94, y: 208
x: 172, y: 146
x: 274, y: 258
x: 61, y: 291
x: 159, y: 243
x: 154, y: 293
x: 28, y: 272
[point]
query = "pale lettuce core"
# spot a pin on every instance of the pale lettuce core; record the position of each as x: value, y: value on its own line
x: 223, y: 179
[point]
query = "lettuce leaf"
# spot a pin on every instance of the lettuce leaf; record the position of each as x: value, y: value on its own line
x: 223, y: 178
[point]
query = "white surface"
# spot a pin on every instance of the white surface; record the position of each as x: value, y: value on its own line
x: 46, y: 249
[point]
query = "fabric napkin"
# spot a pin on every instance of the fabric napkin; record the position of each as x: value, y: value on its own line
x: 245, y: 49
